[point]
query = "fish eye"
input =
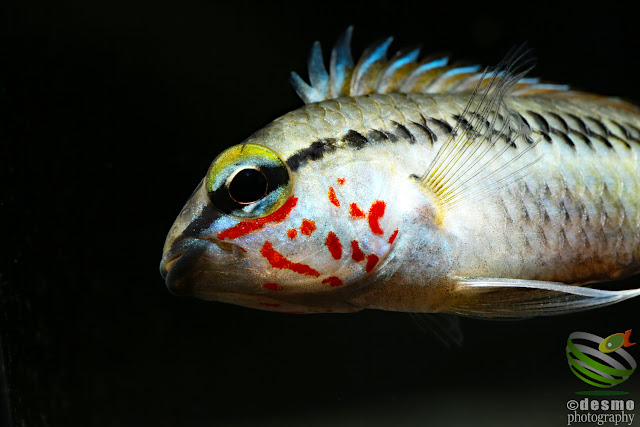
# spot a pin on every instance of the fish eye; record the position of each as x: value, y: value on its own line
x: 248, y: 186
x: 248, y: 181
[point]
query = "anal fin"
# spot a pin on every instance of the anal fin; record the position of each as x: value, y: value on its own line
x: 515, y: 298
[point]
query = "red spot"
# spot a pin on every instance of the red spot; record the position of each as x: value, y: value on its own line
x: 372, y: 260
x: 272, y: 286
x: 341, y: 181
x: 243, y: 249
x: 355, y: 211
x: 276, y: 260
x: 246, y: 227
x: 292, y: 233
x: 307, y: 227
x: 356, y: 253
x: 333, y: 243
x: 393, y: 237
x: 332, y: 197
x: 266, y: 304
x: 333, y: 281
x: 375, y: 213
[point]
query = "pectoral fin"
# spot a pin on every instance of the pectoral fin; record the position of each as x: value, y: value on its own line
x: 513, y: 298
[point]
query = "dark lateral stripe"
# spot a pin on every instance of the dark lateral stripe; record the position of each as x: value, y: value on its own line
x: 442, y: 125
x: 564, y: 137
x: 583, y: 137
x: 315, y: 151
x: 432, y: 136
x: 542, y: 123
x: 590, y: 129
x: 355, y: 139
x: 605, y: 141
x: 482, y: 121
x: 404, y: 132
x: 582, y: 126
x: 563, y: 122
x: 377, y: 136
x: 623, y: 129
x: 635, y: 135
x: 596, y: 123
x: 464, y: 123
x: 524, y: 121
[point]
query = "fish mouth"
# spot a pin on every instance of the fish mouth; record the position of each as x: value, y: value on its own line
x: 178, y: 263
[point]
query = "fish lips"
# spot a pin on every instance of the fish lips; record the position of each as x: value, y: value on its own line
x: 178, y: 265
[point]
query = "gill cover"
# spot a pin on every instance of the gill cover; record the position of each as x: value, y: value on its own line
x: 248, y: 181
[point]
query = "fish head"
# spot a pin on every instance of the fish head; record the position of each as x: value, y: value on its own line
x: 257, y: 234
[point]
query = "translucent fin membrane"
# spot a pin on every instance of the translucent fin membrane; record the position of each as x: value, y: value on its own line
x: 403, y: 72
x: 477, y: 159
x: 514, y: 298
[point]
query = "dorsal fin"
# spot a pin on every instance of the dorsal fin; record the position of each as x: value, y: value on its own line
x: 403, y: 72
x: 477, y: 158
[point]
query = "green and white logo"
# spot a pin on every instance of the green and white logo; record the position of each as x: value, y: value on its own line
x: 600, y: 362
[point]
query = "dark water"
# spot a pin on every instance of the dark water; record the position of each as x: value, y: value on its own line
x: 115, y: 110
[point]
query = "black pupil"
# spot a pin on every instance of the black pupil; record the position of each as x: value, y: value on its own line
x: 248, y: 186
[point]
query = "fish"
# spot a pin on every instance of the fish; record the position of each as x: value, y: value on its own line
x: 421, y: 185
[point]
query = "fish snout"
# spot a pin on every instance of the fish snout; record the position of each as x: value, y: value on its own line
x: 178, y: 263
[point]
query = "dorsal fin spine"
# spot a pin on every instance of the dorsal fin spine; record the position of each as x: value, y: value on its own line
x: 461, y: 70
x: 341, y: 63
x: 419, y: 71
x: 318, y: 76
x: 404, y: 73
x: 402, y: 62
x: 365, y: 75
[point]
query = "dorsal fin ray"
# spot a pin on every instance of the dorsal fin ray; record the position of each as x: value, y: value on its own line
x: 403, y: 72
x: 478, y: 158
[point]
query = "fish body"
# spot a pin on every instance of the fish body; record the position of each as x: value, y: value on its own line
x: 486, y: 195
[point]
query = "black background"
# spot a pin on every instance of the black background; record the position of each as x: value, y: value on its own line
x: 116, y: 108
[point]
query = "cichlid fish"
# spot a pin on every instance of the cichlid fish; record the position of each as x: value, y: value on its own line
x: 419, y: 185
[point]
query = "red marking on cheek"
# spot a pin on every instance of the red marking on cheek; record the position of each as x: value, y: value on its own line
x: 333, y: 281
x: 266, y: 304
x: 243, y: 249
x: 355, y: 211
x: 276, y: 260
x: 307, y: 227
x: 393, y: 237
x: 356, y: 252
x: 246, y: 227
x: 333, y: 243
x: 333, y: 198
x: 372, y: 260
x: 272, y: 287
x: 341, y: 181
x: 376, y: 212
x: 292, y: 233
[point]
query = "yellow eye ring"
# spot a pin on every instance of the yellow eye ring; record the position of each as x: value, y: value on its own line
x: 248, y: 181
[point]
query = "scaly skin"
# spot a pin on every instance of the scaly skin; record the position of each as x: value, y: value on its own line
x: 573, y: 218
